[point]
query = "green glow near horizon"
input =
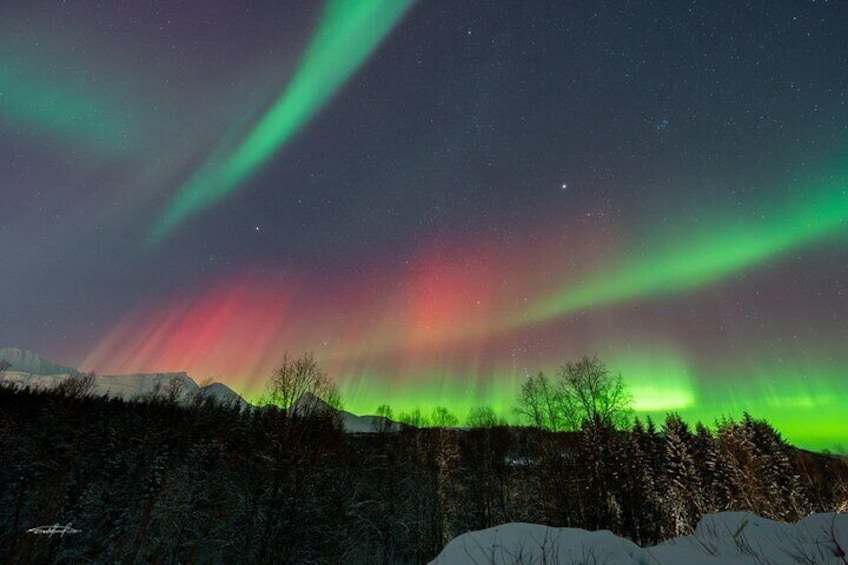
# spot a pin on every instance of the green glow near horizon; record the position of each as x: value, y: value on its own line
x: 803, y: 394
x: 807, y: 408
x: 71, y: 112
x: 425, y: 391
x: 686, y: 261
x: 347, y: 33
x: 800, y: 420
x: 657, y: 379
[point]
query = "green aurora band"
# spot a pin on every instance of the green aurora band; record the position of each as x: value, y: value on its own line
x: 347, y: 33
x: 66, y: 110
x: 802, y: 394
x: 687, y: 261
x: 659, y: 380
x: 803, y: 398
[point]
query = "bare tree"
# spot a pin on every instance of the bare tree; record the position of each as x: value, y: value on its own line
x: 153, y: 395
x: 300, y: 384
x: 582, y: 391
x: 77, y: 386
x: 174, y: 390
x: 540, y: 403
x: 384, y: 420
x: 197, y: 397
x: 591, y: 393
x: 483, y: 417
x: 443, y: 418
x: 414, y: 418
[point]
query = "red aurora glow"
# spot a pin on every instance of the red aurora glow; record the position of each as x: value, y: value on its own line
x: 440, y: 311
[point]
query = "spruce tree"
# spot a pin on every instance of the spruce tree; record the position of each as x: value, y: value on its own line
x: 683, y: 498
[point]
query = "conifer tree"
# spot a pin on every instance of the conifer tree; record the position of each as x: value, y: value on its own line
x: 683, y: 499
x: 643, y: 484
x: 705, y: 453
x: 781, y: 486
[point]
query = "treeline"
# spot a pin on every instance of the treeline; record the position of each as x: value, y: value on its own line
x: 157, y: 481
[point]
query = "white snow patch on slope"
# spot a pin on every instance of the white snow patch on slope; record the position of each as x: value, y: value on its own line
x: 128, y: 387
x: 28, y: 362
x: 723, y: 538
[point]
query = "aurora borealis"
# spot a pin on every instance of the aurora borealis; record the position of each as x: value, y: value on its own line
x: 437, y: 198
x: 346, y: 34
x: 688, y: 259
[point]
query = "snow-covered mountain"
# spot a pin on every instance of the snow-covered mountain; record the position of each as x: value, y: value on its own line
x: 222, y: 393
x: 309, y: 403
x: 723, y: 538
x: 28, y: 362
x: 30, y: 370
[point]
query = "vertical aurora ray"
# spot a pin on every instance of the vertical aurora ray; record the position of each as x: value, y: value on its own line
x: 235, y: 329
x: 437, y: 329
x: 658, y: 377
x: 801, y: 390
x: 231, y: 328
x: 348, y: 32
x: 686, y: 261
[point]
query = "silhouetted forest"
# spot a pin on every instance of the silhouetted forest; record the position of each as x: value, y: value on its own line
x: 156, y: 481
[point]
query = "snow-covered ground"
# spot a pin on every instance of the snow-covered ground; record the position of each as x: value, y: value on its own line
x: 724, y: 538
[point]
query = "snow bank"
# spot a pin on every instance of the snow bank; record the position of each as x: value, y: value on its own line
x: 726, y: 538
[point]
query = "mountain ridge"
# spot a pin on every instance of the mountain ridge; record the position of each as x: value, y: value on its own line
x: 26, y: 361
x: 29, y: 369
x: 26, y: 370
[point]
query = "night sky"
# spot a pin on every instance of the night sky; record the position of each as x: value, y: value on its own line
x: 437, y: 198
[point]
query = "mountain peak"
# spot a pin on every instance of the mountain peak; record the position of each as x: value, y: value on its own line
x: 28, y: 369
x: 309, y: 403
x: 28, y: 362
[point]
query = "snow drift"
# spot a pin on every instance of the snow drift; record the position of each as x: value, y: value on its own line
x: 723, y: 538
